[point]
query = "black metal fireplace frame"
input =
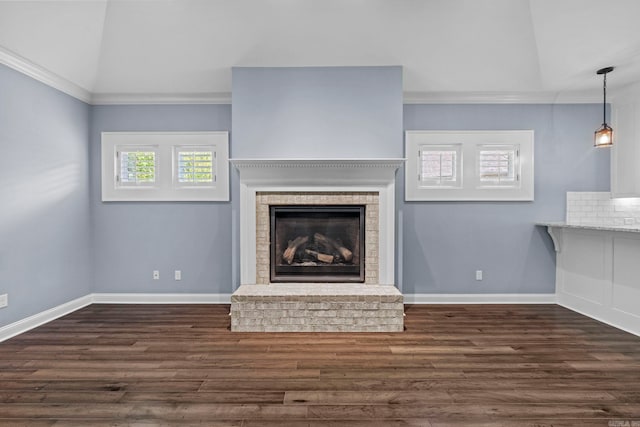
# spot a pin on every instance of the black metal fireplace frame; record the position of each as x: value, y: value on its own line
x: 318, y: 274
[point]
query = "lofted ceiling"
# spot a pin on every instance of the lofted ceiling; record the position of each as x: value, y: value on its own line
x: 119, y: 49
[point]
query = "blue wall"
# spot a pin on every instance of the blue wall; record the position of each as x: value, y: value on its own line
x: 44, y: 193
x: 443, y: 243
x: 58, y: 241
x: 131, y: 239
x: 317, y: 112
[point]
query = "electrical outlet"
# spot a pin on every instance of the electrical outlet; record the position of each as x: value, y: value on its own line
x: 478, y: 274
x: 156, y: 275
x: 629, y: 221
x: 4, y: 300
x: 178, y: 275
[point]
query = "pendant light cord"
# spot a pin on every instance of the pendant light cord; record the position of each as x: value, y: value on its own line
x: 604, y: 100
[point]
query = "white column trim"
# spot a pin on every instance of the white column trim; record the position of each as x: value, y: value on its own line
x: 247, y: 234
x: 386, y: 233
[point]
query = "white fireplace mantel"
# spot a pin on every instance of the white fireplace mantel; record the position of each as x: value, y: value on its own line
x: 317, y: 175
x: 328, y: 171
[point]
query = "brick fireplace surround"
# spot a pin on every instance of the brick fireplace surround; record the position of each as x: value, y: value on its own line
x: 266, y: 199
x: 373, y: 306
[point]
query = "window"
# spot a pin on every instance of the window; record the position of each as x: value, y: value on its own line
x: 439, y: 165
x: 469, y: 165
x: 136, y: 166
x: 498, y: 165
x: 165, y: 166
x: 194, y: 166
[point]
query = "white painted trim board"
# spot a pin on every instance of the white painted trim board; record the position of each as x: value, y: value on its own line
x: 479, y: 298
x: 609, y: 322
x: 130, y: 298
x: 28, y: 323
x: 38, y: 73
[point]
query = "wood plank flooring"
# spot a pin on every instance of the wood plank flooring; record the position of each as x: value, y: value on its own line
x: 455, y: 365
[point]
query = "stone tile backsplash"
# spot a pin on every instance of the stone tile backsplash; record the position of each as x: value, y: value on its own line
x: 598, y: 208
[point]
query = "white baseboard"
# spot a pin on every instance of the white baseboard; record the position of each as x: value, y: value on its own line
x: 36, y: 320
x: 24, y: 325
x: 622, y: 321
x: 479, y: 298
x: 125, y: 298
x: 28, y: 323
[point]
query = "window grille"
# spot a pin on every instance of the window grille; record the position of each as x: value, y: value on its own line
x: 498, y: 165
x: 195, y: 166
x: 439, y: 165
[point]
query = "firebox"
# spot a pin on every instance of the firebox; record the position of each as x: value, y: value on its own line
x: 317, y: 243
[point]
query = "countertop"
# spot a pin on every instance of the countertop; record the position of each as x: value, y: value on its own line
x: 562, y: 224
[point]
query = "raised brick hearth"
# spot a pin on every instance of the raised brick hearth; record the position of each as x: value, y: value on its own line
x: 304, y: 307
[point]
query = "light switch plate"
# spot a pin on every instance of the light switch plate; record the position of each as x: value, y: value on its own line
x: 4, y: 300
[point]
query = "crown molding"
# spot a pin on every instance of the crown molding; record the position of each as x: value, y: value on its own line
x: 41, y: 74
x: 160, y: 98
x: 408, y: 98
x: 538, y: 97
x: 24, y: 66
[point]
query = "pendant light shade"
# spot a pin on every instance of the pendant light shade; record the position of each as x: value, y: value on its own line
x: 603, y: 137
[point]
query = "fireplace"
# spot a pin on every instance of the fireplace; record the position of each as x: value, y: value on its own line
x: 317, y: 243
x: 338, y: 209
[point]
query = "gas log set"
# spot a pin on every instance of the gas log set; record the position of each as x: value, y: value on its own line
x: 317, y: 243
x: 319, y: 248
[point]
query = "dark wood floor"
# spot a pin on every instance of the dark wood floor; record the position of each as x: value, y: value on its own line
x: 462, y: 365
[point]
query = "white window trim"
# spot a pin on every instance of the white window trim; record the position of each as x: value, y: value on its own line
x: 166, y: 187
x: 472, y: 189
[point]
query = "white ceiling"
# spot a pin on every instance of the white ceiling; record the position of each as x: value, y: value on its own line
x: 187, y: 47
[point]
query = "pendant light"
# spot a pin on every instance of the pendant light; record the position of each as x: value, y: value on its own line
x: 603, y: 137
